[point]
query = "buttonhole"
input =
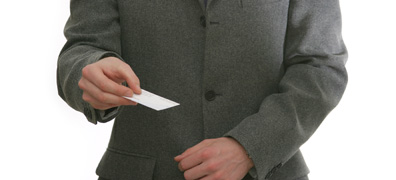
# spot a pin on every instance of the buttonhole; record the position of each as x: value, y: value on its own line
x: 214, y: 23
x: 240, y: 3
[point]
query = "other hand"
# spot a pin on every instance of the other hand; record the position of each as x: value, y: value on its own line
x: 101, y: 83
x: 221, y: 158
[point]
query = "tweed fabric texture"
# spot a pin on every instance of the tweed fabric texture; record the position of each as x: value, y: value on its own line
x: 277, y: 68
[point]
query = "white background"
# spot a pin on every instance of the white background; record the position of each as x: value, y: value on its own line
x: 42, y: 138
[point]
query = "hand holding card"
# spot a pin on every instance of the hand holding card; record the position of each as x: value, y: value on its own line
x: 152, y: 101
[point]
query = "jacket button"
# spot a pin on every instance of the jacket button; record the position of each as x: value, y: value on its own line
x: 210, y: 95
x: 203, y: 21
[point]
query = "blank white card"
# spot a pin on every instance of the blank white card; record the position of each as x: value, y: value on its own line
x: 153, y: 101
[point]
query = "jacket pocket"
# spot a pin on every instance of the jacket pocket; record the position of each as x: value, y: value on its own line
x: 118, y: 165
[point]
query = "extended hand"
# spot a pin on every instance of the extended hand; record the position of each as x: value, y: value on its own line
x: 101, y: 83
x: 221, y: 158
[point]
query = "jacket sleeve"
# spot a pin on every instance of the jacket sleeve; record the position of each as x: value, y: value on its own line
x: 315, y: 79
x: 92, y: 32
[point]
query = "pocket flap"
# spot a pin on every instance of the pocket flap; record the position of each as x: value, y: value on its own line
x: 117, y: 165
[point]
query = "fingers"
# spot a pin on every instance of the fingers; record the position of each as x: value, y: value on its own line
x: 95, y: 75
x: 197, y: 158
x: 223, y: 174
x: 206, y: 168
x: 215, y: 159
x: 121, y: 71
x: 192, y: 150
x: 101, y: 83
x: 131, y: 78
x: 198, y: 161
x: 99, y: 99
x: 216, y: 169
x: 96, y: 104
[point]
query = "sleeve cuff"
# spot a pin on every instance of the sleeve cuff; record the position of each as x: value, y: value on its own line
x: 109, y: 114
x: 94, y: 115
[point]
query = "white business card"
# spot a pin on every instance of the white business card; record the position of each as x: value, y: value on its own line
x: 153, y: 101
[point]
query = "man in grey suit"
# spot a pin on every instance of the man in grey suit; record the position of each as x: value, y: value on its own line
x: 255, y: 79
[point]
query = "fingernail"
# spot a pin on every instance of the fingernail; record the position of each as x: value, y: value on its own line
x: 129, y: 94
x: 139, y: 90
x: 180, y: 168
x: 177, y: 158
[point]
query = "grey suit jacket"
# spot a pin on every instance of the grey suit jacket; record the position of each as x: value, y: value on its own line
x: 265, y: 72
